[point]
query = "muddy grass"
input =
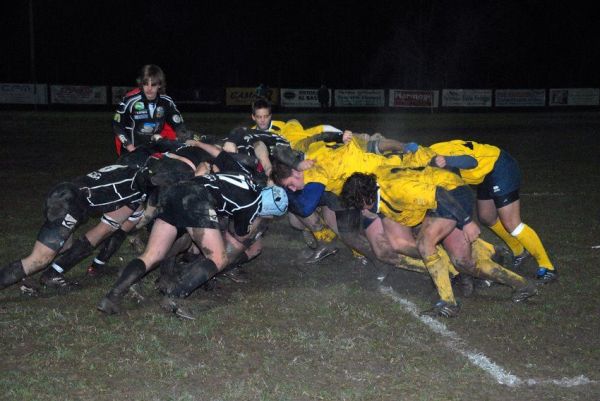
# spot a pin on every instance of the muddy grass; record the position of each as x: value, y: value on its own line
x: 326, y: 331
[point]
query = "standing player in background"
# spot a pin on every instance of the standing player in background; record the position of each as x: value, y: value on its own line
x: 144, y: 111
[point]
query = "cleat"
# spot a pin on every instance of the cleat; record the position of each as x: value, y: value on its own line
x: 29, y: 287
x: 170, y: 306
x: 321, y: 253
x: 108, y: 305
x: 546, y: 276
x: 135, y: 292
x: 309, y: 239
x: 519, y: 259
x: 465, y: 284
x: 522, y: 294
x: 443, y: 309
x: 482, y: 283
x: 236, y: 274
x: 53, y: 279
x: 503, y: 256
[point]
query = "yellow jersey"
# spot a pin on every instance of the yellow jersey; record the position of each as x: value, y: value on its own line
x: 486, y: 156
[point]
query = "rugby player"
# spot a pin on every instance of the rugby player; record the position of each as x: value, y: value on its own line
x: 497, y: 178
x: 194, y: 207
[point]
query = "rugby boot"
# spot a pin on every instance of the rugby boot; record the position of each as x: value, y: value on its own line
x: 443, y: 309
x: 170, y: 306
x: 523, y: 293
x: 110, y: 304
x: 50, y: 278
x: 131, y: 274
x: 546, y: 276
x: 237, y: 274
x: 519, y: 259
x: 465, y: 283
x: 309, y: 239
x: 323, y: 250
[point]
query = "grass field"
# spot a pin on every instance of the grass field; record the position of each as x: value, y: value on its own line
x: 325, y: 332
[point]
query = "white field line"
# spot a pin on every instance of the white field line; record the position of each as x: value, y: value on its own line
x: 455, y: 343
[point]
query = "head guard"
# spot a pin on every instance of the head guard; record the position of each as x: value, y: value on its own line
x: 274, y: 201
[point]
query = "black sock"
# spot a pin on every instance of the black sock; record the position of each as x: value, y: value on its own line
x: 80, y: 250
x: 132, y: 273
x: 194, y: 275
x: 109, y: 247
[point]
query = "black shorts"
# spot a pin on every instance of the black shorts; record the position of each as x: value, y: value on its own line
x: 65, y: 209
x: 188, y: 205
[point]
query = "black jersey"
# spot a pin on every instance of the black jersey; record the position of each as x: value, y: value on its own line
x: 138, y: 118
x: 233, y: 192
x: 245, y: 138
x: 111, y: 187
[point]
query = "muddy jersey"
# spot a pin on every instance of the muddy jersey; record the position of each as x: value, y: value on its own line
x: 198, y: 202
x: 245, y: 139
x: 486, y: 156
x: 111, y: 187
x: 138, y: 118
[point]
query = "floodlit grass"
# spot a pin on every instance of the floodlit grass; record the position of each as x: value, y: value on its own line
x: 298, y: 332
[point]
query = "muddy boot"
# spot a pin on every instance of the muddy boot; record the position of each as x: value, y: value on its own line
x: 132, y: 273
x: 11, y: 274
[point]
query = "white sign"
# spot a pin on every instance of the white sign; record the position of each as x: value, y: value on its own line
x: 299, y: 97
x: 77, y: 94
x: 413, y: 98
x: 573, y: 97
x: 467, y: 98
x: 359, y: 98
x: 23, y: 93
x: 520, y: 97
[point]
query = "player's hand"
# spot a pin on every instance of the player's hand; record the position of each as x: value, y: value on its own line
x: 305, y: 165
x: 471, y: 231
x: 439, y: 161
x: 130, y: 148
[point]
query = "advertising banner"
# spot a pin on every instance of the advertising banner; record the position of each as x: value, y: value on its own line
x: 246, y: 96
x: 467, y: 98
x: 23, y: 93
x: 359, y: 98
x: 520, y: 97
x: 300, y: 97
x: 413, y: 98
x: 77, y: 94
x: 573, y: 97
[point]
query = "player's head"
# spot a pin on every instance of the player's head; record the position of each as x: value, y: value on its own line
x: 274, y: 201
x: 152, y: 81
x: 262, y: 113
x: 359, y: 191
x: 287, y: 177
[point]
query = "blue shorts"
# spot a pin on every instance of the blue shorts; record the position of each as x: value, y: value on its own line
x: 502, y: 184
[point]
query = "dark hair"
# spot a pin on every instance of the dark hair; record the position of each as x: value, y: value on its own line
x: 358, y: 190
x: 154, y: 73
x: 261, y: 103
x: 280, y: 172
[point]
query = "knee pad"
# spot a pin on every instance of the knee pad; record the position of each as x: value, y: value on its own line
x: 110, y: 221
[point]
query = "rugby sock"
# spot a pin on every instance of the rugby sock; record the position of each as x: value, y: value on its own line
x: 530, y: 240
x: 486, y: 268
x: 438, y: 270
x: 109, y: 247
x: 194, y: 275
x: 515, y: 246
x: 80, y: 250
x: 325, y: 234
x: 11, y: 273
x: 132, y: 273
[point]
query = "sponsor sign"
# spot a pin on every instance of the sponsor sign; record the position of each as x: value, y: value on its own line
x: 573, y: 97
x: 413, y: 98
x: 246, y: 96
x: 300, y: 97
x: 520, y: 97
x: 359, y: 98
x: 77, y: 94
x: 467, y: 98
x: 23, y: 93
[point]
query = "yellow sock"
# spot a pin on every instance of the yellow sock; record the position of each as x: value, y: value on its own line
x: 515, y: 246
x: 446, y: 258
x: 438, y: 270
x: 325, y: 234
x: 533, y: 244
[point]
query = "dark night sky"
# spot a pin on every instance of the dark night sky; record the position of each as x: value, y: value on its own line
x: 401, y: 44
